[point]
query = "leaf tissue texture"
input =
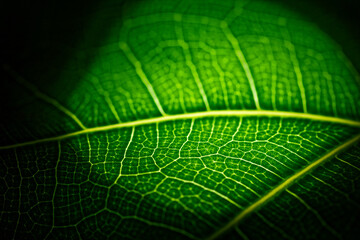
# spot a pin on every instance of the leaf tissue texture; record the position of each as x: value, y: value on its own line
x: 187, y: 120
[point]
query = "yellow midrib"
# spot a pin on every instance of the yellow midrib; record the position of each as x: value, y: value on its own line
x: 239, y: 113
x: 195, y: 115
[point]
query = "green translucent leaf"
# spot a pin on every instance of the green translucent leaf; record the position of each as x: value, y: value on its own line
x: 190, y: 119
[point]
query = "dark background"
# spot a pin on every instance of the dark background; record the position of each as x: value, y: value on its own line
x: 45, y: 33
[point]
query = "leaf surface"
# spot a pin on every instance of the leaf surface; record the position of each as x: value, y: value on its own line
x: 190, y: 120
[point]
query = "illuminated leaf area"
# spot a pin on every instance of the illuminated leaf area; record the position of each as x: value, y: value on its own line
x: 191, y: 120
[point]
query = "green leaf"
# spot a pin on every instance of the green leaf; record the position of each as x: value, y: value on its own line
x: 189, y: 119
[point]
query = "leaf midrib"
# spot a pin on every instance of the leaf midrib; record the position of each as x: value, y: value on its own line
x: 228, y: 113
x: 194, y: 115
